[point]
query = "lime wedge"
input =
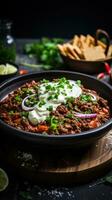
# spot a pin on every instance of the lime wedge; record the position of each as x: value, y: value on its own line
x: 11, y: 69
x: 3, y: 69
x: 7, y: 69
x: 4, y: 180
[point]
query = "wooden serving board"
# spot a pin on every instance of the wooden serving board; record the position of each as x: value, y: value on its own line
x: 61, y: 167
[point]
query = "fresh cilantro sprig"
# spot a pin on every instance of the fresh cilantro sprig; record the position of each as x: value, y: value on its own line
x: 46, y: 51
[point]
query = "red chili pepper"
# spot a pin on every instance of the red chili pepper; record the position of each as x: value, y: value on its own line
x: 101, y: 75
x: 107, y: 68
x: 23, y: 71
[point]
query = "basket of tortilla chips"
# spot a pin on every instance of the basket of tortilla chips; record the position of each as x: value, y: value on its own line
x: 87, y: 54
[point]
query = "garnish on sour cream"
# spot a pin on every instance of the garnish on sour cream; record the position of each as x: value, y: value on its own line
x: 51, y: 94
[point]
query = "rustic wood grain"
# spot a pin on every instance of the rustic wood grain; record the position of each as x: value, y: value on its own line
x: 62, y: 167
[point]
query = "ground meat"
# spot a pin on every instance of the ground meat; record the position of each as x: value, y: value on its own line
x: 103, y: 102
x: 62, y: 109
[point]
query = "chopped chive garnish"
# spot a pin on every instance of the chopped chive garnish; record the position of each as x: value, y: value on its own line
x: 70, y: 86
x: 41, y: 103
x: 50, y: 108
x: 24, y: 114
x: 11, y: 112
x: 53, y: 122
x: 86, y: 97
x: 48, y: 87
x: 50, y: 97
x: 56, y: 96
x: 45, y: 81
x: 78, y: 82
x: 18, y: 98
x: 70, y: 115
x: 70, y: 99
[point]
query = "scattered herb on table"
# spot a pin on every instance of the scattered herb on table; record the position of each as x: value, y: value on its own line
x: 46, y: 51
x: 25, y: 195
x: 106, y: 179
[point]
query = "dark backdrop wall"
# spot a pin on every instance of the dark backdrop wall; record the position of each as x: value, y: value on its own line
x: 56, y: 19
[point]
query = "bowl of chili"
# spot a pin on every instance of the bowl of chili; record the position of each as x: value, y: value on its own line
x: 78, y: 121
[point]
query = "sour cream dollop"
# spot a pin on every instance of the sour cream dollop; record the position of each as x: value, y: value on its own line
x: 51, y: 95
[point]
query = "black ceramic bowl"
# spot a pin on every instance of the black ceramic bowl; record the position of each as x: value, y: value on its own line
x: 52, y: 141
x: 8, y: 76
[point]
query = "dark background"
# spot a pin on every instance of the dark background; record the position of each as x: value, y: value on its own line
x: 34, y: 19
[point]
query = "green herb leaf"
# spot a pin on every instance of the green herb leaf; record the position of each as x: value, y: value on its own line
x: 108, y: 179
x: 70, y: 115
x: 48, y: 87
x: 45, y: 81
x: 50, y: 108
x: 53, y: 122
x: 24, y: 114
x: 86, y: 97
x: 46, y: 51
x: 18, y: 99
x: 70, y: 99
x: 41, y: 103
x: 11, y: 112
x: 25, y: 195
x: 78, y: 82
